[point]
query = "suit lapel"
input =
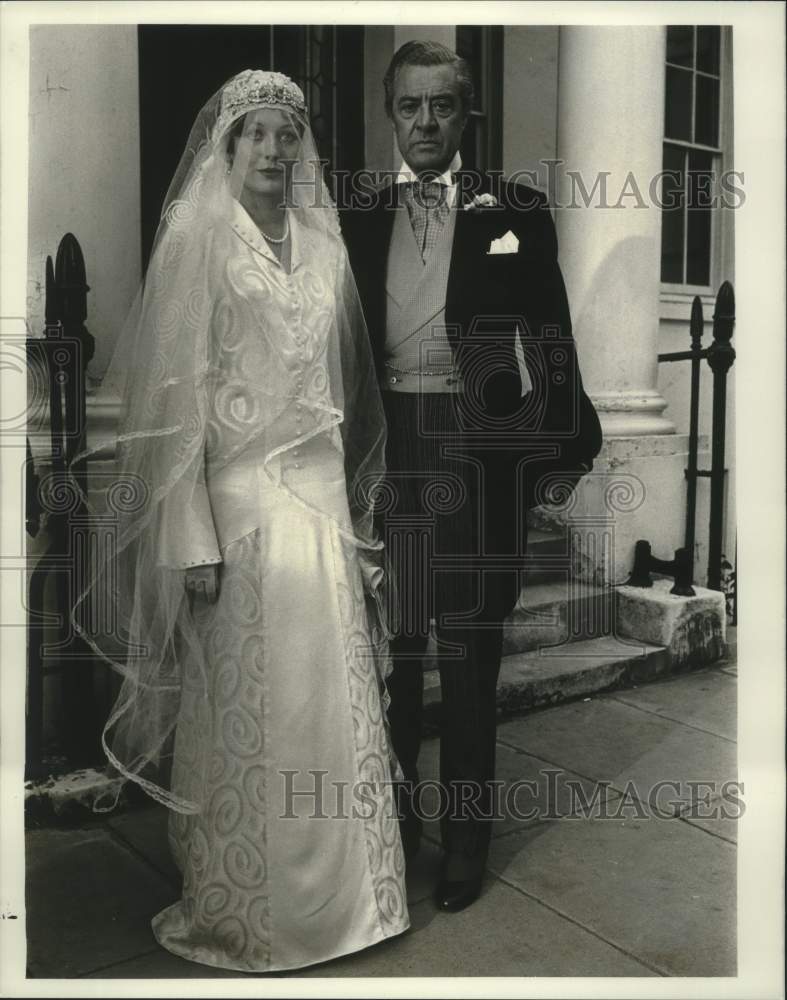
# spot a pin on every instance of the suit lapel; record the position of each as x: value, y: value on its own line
x: 468, y: 235
x: 376, y: 244
x: 474, y: 231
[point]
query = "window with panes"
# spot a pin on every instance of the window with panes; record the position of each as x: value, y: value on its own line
x: 482, y: 140
x: 692, y: 154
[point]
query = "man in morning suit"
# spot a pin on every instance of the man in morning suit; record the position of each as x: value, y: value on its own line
x: 470, y: 326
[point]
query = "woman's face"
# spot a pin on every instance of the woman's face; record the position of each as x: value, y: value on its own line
x: 268, y: 140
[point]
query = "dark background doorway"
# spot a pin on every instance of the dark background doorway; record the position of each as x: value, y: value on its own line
x: 180, y: 66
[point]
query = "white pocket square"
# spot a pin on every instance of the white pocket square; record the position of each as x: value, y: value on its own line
x: 506, y: 244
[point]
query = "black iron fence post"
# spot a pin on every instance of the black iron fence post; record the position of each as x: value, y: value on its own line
x: 41, y: 353
x: 695, y: 354
x: 721, y: 355
x: 696, y: 328
x: 79, y: 710
x: 65, y: 349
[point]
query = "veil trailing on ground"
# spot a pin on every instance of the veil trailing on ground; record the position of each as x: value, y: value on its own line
x: 185, y: 409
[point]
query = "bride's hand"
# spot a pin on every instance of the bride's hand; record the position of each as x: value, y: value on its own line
x: 203, y: 581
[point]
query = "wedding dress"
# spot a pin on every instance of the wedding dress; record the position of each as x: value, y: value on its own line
x: 253, y: 439
x: 294, y: 705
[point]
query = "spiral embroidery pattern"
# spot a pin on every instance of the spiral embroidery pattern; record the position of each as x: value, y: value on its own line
x: 386, y: 857
x: 253, y: 882
x: 223, y: 918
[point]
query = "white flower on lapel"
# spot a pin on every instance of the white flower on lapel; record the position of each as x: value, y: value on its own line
x: 482, y: 201
x: 506, y: 244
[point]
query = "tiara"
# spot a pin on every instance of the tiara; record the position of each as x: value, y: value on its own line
x: 253, y: 88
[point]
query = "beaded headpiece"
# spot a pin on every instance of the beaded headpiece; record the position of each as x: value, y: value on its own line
x: 253, y: 88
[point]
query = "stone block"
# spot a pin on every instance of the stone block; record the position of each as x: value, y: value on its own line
x: 693, y: 629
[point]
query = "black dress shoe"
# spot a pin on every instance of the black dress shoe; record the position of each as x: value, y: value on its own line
x: 453, y: 896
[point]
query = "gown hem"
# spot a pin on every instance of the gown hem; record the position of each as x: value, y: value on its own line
x: 374, y: 939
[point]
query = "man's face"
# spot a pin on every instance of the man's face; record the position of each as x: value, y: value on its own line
x: 427, y: 116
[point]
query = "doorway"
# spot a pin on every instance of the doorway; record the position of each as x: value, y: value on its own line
x: 181, y: 65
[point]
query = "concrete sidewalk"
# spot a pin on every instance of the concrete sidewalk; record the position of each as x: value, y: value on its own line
x: 621, y: 891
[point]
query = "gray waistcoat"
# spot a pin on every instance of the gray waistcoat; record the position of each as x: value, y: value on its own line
x: 415, y: 306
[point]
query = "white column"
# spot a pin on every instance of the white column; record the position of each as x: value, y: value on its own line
x: 610, y: 128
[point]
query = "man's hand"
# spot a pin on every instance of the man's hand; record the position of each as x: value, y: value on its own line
x: 203, y: 582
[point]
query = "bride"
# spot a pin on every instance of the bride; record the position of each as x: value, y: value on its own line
x: 247, y: 577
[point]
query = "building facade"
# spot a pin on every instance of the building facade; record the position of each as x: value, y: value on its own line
x: 592, y: 115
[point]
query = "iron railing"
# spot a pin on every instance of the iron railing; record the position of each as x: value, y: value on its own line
x: 720, y: 355
x: 57, y: 362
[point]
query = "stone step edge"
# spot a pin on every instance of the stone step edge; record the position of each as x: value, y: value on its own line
x: 531, y: 680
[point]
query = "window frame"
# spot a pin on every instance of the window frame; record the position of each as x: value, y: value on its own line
x: 486, y: 117
x: 675, y: 295
x: 198, y: 57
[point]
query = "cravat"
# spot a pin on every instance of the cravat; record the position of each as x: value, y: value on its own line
x: 427, y: 206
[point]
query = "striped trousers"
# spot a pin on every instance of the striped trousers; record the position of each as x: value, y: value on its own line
x: 437, y: 531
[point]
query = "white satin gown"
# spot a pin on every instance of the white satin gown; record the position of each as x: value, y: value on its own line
x: 273, y: 879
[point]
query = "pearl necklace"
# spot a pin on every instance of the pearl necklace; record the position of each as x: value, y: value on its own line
x: 281, y: 239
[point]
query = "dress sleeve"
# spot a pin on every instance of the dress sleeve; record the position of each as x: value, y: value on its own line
x: 187, y: 534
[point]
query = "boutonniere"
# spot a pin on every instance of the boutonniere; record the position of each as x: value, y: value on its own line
x: 482, y: 201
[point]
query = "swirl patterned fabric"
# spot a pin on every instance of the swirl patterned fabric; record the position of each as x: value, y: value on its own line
x: 294, y: 856
x: 253, y: 428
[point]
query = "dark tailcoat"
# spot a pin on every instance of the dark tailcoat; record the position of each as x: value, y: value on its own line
x: 515, y: 441
x: 555, y: 428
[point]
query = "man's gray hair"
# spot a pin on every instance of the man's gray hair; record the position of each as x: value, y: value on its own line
x: 417, y: 53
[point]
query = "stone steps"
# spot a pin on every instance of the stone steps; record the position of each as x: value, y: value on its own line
x: 553, y: 609
x: 552, y: 630
x: 675, y: 633
x: 548, y: 557
x: 537, y: 678
x: 562, y: 642
x: 551, y: 614
x: 556, y: 613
